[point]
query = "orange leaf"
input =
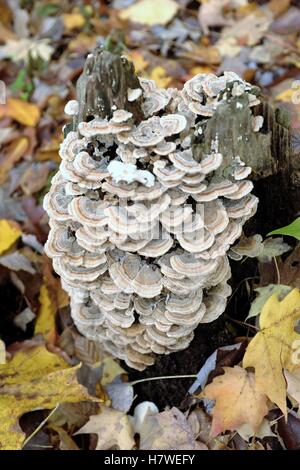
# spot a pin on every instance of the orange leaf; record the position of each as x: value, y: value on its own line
x: 237, y: 401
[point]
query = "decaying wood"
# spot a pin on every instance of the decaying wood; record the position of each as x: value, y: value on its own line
x: 103, y: 85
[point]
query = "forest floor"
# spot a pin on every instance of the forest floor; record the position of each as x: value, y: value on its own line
x: 43, y: 47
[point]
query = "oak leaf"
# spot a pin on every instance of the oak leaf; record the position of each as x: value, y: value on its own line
x: 271, y: 349
x: 238, y: 401
x: 34, y: 379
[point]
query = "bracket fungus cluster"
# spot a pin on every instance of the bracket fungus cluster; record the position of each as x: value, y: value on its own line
x: 142, y: 217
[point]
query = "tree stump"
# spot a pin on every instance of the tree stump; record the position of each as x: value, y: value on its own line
x: 102, y: 88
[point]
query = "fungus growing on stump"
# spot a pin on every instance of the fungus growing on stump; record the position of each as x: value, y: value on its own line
x: 143, y: 209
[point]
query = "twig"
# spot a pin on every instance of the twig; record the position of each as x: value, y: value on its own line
x: 242, y: 323
x: 239, y: 285
x: 39, y: 426
x: 277, y: 270
x: 166, y: 377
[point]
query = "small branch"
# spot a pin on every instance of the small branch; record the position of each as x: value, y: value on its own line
x: 166, y: 377
x: 277, y: 270
x: 39, y: 426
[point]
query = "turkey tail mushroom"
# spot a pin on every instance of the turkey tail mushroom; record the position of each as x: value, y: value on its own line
x: 142, y: 216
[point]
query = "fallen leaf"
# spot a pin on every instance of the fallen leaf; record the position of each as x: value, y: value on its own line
x: 34, y: 379
x: 45, y: 323
x: 23, y: 318
x: 150, y: 12
x: 293, y: 384
x: 27, y: 49
x: 138, y: 60
x: 16, y: 261
x: 66, y: 441
x: 168, y: 430
x: 10, y: 208
x: 2, y: 352
x: 238, y: 401
x: 271, y: 349
x: 121, y: 395
x: 263, y: 294
x: 264, y: 430
x: 227, y: 356
x: 112, y: 428
x: 111, y: 369
x: 9, y: 234
x: 14, y: 152
x: 211, y: 13
x: 73, y: 21
x: 25, y: 113
x: 159, y: 75
x: 290, y: 269
x: 289, y: 430
x: 73, y: 415
x: 285, y: 96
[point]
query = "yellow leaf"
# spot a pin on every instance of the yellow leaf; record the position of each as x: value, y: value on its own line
x: 25, y: 113
x: 45, y: 323
x: 140, y: 64
x: 286, y: 95
x: 9, y: 234
x: 201, y: 69
x: 111, y: 370
x: 271, y: 349
x: 82, y: 43
x: 237, y: 401
x: 151, y: 12
x: 34, y: 379
x: 73, y: 21
x: 2, y: 352
x: 160, y: 76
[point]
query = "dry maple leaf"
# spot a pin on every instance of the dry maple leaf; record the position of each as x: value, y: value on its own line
x: 112, y: 428
x: 237, y: 401
x: 34, y: 379
x: 168, y: 430
x: 271, y: 349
